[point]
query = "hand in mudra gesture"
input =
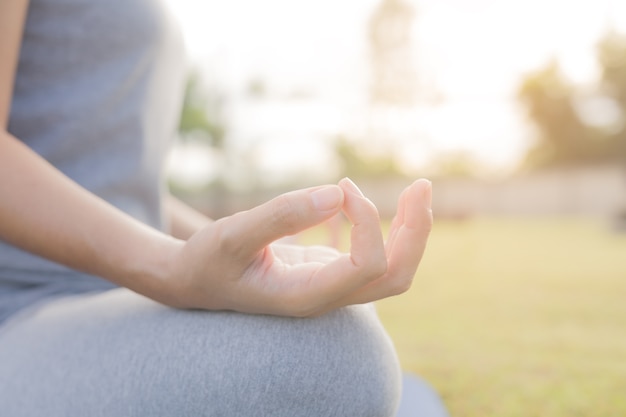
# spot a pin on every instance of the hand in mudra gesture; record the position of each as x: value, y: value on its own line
x: 235, y: 264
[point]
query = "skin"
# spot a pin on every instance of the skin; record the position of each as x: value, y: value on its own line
x: 234, y: 263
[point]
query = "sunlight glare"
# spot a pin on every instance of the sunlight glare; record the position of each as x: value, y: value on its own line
x: 472, y: 53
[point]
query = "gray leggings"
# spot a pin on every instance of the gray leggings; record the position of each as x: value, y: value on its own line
x: 119, y: 354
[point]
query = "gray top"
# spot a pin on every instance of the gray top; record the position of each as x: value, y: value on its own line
x: 98, y: 89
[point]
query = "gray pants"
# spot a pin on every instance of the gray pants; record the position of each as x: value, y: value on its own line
x: 119, y: 354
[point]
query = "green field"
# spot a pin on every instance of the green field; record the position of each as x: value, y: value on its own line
x: 518, y: 318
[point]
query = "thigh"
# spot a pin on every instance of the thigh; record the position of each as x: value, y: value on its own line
x: 120, y: 354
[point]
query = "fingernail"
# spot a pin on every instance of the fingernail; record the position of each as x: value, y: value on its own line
x: 351, y: 186
x: 327, y: 198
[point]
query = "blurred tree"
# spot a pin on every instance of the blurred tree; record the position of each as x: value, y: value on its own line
x: 611, y: 54
x: 392, y: 90
x: 390, y: 39
x: 558, y: 110
x: 564, y: 137
x: 358, y: 165
x: 454, y: 164
x: 202, y: 114
x: 257, y: 88
x: 202, y: 131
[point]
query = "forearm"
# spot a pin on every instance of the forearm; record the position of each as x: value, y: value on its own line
x: 44, y: 212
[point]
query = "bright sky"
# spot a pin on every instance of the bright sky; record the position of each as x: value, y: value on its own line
x: 471, y: 52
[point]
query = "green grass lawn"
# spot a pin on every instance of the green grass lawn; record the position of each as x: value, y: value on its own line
x: 518, y: 318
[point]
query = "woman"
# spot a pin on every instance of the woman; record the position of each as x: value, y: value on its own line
x: 94, y: 253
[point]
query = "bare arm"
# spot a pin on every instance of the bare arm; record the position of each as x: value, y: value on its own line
x: 44, y: 212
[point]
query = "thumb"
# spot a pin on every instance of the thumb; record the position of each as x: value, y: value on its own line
x: 247, y: 232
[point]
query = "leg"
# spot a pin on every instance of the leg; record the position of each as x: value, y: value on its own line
x: 120, y: 354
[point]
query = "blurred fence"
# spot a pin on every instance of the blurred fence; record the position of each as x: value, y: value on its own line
x: 584, y: 192
x: 581, y: 192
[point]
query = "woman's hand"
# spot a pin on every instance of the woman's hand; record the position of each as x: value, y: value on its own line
x: 231, y: 264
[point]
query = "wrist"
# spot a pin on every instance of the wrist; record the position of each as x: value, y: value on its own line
x: 153, y: 271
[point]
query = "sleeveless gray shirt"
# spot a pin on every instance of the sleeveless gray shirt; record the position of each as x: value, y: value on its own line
x: 97, y: 93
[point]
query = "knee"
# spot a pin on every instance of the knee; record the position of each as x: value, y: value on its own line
x: 224, y: 363
x: 337, y: 365
x: 353, y: 362
x: 144, y: 359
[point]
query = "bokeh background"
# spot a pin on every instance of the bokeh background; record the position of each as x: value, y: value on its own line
x: 516, y: 110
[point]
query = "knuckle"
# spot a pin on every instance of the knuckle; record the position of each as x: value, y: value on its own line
x: 229, y: 242
x: 372, y: 209
x: 382, y: 266
x: 400, y: 285
x: 377, y: 266
x: 284, y: 213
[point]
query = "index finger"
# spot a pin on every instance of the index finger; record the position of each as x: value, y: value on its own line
x: 244, y: 234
